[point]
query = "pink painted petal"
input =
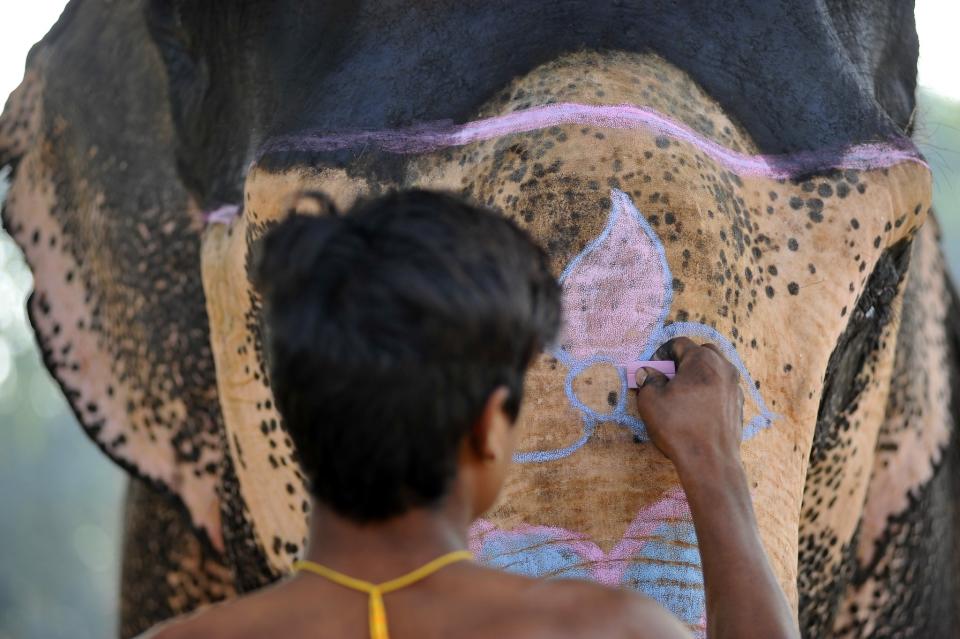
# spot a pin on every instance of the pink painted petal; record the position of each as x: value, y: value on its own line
x: 616, y: 292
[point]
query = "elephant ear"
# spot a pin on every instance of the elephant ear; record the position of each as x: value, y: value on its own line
x: 113, y: 240
x: 880, y: 38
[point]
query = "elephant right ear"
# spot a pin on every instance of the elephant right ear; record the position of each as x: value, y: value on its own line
x: 113, y: 239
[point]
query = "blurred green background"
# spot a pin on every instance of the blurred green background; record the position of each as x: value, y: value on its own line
x: 60, y: 498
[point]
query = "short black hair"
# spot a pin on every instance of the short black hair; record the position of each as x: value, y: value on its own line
x: 387, y: 330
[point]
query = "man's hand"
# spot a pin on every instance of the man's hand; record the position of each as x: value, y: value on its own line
x: 698, y: 415
x: 696, y: 419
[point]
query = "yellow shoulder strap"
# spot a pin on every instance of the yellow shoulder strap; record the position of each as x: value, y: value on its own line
x: 378, y: 613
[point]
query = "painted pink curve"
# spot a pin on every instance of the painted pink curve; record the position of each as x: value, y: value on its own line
x: 438, y: 135
x: 225, y: 214
x: 606, y: 568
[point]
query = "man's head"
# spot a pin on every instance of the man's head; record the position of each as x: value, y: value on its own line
x: 398, y: 335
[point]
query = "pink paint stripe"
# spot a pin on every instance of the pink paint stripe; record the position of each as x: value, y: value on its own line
x: 438, y: 135
x: 225, y: 214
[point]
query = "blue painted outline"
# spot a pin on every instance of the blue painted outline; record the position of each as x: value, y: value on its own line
x: 661, y: 333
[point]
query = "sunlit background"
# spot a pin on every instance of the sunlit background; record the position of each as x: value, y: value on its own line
x: 59, y: 496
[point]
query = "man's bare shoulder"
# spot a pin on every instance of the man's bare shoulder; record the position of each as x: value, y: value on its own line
x: 499, y: 604
x: 629, y: 614
x: 573, y: 608
x: 202, y: 623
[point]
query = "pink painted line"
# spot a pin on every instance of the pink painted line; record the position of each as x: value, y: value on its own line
x: 225, y: 214
x: 438, y: 135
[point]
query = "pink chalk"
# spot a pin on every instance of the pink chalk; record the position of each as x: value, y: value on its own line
x: 431, y: 136
x: 667, y: 368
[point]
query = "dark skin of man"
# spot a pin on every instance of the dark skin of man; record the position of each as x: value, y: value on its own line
x: 695, y: 419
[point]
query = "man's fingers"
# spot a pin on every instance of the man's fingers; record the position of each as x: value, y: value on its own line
x: 650, y: 385
x: 676, y: 349
x: 714, y: 348
x: 651, y: 378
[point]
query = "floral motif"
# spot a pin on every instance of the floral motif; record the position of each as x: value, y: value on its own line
x: 616, y: 296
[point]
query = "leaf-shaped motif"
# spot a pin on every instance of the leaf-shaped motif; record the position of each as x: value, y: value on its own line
x: 617, y: 291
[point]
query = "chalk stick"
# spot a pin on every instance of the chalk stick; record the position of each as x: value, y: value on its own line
x: 666, y: 367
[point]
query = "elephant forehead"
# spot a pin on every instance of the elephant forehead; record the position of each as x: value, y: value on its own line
x: 774, y: 266
x: 596, y: 155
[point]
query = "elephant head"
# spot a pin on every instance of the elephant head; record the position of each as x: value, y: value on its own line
x: 736, y: 172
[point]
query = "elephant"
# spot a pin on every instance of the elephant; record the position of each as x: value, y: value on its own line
x: 739, y: 172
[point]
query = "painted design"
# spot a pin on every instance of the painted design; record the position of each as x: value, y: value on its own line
x: 657, y: 555
x: 616, y: 296
x: 225, y: 214
x: 433, y: 136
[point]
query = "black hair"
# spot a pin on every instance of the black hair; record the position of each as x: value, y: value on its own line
x: 387, y: 330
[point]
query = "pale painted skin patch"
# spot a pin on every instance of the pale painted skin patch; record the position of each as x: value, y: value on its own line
x: 270, y: 482
x: 909, y: 446
x: 140, y: 409
x: 773, y: 265
x: 113, y: 242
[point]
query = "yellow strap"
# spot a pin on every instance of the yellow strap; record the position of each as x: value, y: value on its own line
x: 378, y: 612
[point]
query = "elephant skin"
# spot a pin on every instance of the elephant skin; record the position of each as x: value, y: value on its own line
x: 739, y: 172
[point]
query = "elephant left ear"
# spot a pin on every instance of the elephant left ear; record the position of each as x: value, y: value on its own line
x: 113, y: 241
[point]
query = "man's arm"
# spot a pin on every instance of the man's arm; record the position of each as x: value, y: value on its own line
x: 696, y: 420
